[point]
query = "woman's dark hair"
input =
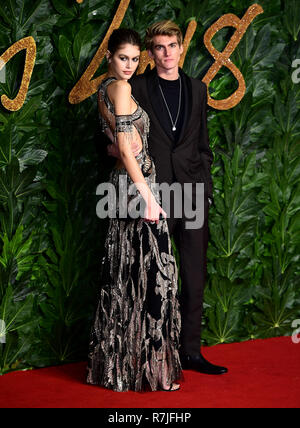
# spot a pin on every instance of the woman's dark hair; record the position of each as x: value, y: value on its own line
x: 121, y: 36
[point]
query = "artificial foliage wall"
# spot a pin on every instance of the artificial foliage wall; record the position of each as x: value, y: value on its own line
x: 52, y: 160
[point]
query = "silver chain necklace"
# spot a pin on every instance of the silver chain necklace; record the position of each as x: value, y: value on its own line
x: 179, y: 106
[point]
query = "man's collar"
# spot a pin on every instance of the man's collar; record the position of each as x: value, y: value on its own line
x: 154, y: 71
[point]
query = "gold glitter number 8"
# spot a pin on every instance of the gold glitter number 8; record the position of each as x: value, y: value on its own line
x: 223, y: 58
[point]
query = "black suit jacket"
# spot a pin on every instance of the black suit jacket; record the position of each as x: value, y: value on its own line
x: 189, y: 160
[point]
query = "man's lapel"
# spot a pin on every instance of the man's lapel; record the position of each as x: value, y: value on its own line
x: 157, y: 104
x: 188, y: 102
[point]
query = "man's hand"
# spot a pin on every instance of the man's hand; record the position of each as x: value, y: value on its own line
x: 113, y: 150
x: 136, y: 148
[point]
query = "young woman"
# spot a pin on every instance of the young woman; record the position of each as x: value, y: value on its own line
x: 135, y: 335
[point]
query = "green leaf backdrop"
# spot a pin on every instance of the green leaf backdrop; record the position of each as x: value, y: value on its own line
x: 51, y: 161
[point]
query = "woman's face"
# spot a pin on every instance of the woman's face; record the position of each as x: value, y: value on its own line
x: 125, y: 61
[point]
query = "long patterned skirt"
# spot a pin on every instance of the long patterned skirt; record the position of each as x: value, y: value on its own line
x: 134, y: 341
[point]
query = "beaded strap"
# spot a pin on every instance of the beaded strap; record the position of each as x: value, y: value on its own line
x: 103, y: 123
x: 124, y: 123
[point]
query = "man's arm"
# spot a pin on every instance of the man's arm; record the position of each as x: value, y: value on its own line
x: 113, y: 150
x: 206, y: 153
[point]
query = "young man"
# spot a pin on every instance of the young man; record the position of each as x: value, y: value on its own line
x: 179, y: 144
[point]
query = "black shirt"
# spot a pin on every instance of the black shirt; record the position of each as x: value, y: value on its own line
x: 171, y: 89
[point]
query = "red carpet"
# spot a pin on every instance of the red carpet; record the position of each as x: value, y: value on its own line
x: 262, y: 373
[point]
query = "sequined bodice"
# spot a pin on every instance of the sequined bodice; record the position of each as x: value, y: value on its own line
x: 125, y: 123
x: 139, y: 118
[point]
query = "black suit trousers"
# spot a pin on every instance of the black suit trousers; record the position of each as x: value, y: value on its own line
x: 192, y: 247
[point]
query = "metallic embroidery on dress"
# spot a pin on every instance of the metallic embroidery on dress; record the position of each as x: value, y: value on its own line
x: 134, y: 339
x: 124, y: 123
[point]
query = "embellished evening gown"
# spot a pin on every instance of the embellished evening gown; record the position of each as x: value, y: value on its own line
x: 134, y: 340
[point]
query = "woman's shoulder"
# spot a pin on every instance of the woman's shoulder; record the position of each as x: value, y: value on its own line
x: 119, y: 92
x: 120, y: 86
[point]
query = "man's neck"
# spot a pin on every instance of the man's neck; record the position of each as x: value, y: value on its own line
x: 172, y: 74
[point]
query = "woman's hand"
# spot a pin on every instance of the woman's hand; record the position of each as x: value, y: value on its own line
x: 153, y: 211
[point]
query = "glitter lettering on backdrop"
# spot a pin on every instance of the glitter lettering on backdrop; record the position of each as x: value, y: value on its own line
x: 28, y: 43
x: 86, y: 87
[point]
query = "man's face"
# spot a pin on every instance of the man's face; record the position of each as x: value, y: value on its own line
x: 166, y: 52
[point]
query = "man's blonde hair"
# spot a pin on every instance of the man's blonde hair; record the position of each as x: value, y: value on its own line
x: 162, y: 28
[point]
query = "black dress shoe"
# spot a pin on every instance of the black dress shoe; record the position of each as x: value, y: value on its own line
x: 200, y: 364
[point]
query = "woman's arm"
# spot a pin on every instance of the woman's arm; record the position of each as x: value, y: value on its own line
x: 120, y: 95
